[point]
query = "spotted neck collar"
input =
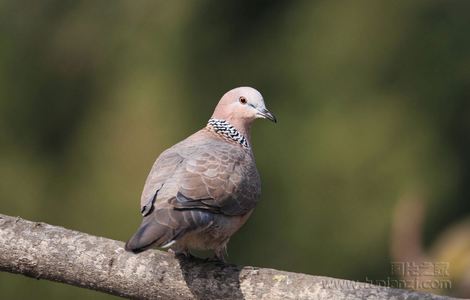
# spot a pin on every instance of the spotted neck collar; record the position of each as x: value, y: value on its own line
x: 226, y: 129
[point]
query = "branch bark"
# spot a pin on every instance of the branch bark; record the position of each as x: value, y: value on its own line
x: 43, y: 251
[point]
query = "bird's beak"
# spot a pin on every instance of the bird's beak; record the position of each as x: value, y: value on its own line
x: 266, y: 114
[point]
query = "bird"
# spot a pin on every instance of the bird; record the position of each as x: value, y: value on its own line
x: 203, y: 189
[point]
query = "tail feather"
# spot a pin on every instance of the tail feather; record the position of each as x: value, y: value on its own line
x: 150, y: 233
x: 163, y: 227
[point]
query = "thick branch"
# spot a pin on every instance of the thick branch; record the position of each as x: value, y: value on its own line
x: 43, y: 251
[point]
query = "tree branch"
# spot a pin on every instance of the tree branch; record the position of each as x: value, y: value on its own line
x: 44, y: 251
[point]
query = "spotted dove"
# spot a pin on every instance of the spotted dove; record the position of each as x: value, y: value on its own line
x: 203, y: 189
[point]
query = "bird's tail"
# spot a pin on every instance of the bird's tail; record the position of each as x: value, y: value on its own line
x: 164, y: 226
x: 150, y: 233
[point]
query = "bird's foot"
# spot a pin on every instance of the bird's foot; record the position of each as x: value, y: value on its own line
x: 185, y: 253
x: 215, y: 259
x: 219, y: 256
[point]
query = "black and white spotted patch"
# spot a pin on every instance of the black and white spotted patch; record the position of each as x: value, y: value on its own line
x: 226, y: 129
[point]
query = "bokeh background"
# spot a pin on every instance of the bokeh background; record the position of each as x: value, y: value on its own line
x: 372, y: 97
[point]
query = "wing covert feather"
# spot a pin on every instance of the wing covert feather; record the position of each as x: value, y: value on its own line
x: 214, y: 176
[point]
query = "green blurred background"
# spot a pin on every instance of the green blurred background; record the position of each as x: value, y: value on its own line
x: 372, y: 98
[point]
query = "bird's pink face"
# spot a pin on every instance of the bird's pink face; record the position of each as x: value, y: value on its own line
x: 242, y: 106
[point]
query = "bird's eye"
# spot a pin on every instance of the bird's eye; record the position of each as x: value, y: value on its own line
x: 242, y: 100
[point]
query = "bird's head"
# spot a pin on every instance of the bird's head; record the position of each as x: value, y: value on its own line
x: 241, y: 106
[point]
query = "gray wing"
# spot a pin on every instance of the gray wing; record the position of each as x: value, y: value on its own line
x: 162, y: 171
x: 220, y: 177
